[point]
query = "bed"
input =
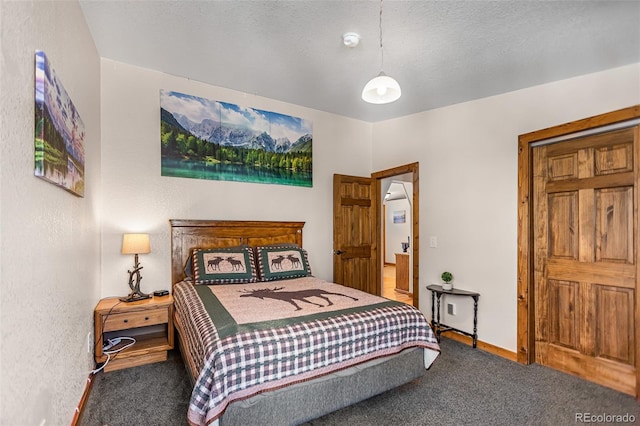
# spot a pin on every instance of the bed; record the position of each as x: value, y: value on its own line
x: 265, y: 342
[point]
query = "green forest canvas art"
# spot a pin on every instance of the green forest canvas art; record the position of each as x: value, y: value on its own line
x: 59, y: 131
x: 207, y: 139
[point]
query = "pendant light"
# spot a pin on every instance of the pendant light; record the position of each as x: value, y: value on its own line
x: 381, y: 89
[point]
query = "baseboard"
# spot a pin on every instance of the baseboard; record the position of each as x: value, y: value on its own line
x: 487, y: 347
x: 83, y: 401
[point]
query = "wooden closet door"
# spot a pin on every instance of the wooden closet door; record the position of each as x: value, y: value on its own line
x: 585, y: 257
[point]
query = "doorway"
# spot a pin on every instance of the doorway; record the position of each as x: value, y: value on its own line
x: 399, y: 182
x: 396, y: 198
x: 578, y: 299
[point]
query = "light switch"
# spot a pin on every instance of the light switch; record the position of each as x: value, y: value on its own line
x: 433, y: 242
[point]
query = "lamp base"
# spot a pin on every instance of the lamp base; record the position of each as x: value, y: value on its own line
x: 134, y: 297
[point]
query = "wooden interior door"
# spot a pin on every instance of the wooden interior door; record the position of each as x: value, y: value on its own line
x: 353, y: 233
x: 585, y: 256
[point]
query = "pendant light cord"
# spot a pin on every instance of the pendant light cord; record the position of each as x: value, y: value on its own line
x: 381, y: 47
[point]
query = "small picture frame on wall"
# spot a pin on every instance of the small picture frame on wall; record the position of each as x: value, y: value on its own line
x: 59, y: 131
x: 399, y: 216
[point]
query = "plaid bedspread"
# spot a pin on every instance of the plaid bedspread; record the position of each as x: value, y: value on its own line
x: 252, y: 359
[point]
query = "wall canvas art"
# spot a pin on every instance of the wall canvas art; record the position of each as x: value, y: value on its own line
x: 207, y: 139
x: 59, y: 131
x: 399, y: 216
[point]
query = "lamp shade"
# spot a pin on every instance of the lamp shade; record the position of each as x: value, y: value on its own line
x: 135, y: 244
x: 381, y: 90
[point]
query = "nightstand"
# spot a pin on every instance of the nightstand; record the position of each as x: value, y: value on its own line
x: 149, y: 321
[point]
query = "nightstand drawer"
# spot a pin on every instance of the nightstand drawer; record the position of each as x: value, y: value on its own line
x: 127, y: 320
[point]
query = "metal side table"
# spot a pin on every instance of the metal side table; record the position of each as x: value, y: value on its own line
x: 436, y: 292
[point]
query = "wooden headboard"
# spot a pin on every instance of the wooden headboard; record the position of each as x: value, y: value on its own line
x: 190, y: 234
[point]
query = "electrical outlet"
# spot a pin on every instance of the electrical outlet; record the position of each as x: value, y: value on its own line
x: 451, y: 308
x: 433, y: 242
x: 89, y: 342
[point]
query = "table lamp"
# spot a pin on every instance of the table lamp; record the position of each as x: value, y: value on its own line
x: 135, y: 244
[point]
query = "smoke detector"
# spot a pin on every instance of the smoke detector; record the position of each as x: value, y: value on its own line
x: 351, y: 39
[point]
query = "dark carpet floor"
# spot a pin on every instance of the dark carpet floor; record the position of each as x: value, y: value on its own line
x: 464, y: 386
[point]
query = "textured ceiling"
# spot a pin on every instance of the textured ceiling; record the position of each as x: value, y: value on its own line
x: 441, y: 52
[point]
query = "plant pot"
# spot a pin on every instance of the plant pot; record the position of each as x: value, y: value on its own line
x: 447, y: 286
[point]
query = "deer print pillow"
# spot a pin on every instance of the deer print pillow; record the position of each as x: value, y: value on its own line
x: 282, y: 262
x: 224, y: 266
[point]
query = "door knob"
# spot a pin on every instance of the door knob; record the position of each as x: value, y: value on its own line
x: 339, y: 252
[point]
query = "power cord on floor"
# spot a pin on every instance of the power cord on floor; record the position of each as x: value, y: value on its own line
x: 110, y: 344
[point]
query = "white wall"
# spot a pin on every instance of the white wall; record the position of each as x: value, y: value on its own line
x: 50, y: 246
x: 468, y: 184
x: 396, y: 233
x: 138, y: 198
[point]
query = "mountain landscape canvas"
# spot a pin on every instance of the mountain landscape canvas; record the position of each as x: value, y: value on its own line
x: 207, y: 139
x: 59, y: 131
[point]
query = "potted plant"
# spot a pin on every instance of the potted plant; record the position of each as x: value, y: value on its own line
x: 447, y: 277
